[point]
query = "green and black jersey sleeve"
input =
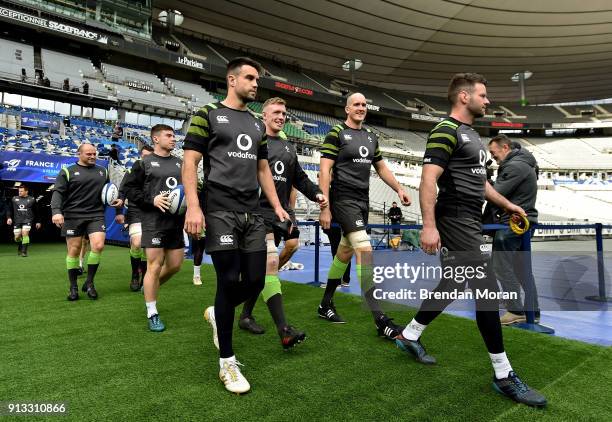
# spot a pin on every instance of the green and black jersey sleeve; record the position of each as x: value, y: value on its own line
x: 198, y: 133
x: 441, y: 143
x: 331, y: 144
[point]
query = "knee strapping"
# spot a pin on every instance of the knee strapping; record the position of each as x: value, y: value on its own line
x: 135, y: 229
x: 358, y: 239
x: 345, y: 242
x: 271, y: 247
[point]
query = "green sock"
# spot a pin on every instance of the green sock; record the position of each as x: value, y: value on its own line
x: 25, y: 240
x: 72, y: 263
x: 365, y: 275
x: 93, y: 258
x: 366, y: 280
x: 136, y: 253
x: 271, y: 287
x: 337, y: 269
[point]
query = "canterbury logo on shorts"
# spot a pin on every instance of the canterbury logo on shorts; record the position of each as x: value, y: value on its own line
x: 359, y: 223
x: 226, y: 239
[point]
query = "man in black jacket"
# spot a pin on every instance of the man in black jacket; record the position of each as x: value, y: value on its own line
x: 517, y: 177
x: 395, y: 216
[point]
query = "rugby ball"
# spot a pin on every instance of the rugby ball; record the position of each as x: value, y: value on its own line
x: 110, y: 193
x: 178, y: 203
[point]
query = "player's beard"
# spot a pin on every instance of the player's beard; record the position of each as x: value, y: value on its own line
x: 245, y: 97
x: 476, y: 111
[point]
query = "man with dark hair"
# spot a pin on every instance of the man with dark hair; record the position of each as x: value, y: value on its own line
x: 133, y: 220
x: 288, y: 175
x: 455, y: 160
x: 234, y: 147
x: 147, y: 148
x: 22, y: 214
x: 151, y: 180
x: 465, y: 82
x: 517, y: 180
x: 77, y: 208
x: 350, y: 151
x: 234, y: 66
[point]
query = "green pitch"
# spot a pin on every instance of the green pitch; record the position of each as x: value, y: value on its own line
x: 101, y: 359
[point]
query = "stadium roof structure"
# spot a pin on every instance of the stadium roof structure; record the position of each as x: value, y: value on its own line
x: 417, y: 45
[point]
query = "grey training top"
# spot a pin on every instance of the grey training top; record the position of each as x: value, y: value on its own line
x: 78, y: 191
x: 354, y: 152
x: 232, y: 142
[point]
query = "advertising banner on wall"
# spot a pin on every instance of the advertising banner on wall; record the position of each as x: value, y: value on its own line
x: 52, y: 25
x: 34, y: 167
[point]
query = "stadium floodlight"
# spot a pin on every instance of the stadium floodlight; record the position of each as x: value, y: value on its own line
x: 170, y: 18
x: 352, y: 65
x: 517, y: 76
x: 521, y: 77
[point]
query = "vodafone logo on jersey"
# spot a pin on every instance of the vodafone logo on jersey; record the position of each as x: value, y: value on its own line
x: 171, y: 182
x: 363, y: 152
x: 482, y: 159
x: 244, y: 143
x: 279, y: 169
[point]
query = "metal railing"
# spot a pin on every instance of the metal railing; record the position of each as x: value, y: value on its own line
x: 526, y: 247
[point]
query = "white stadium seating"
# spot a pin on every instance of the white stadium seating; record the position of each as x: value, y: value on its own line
x: 15, y: 56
